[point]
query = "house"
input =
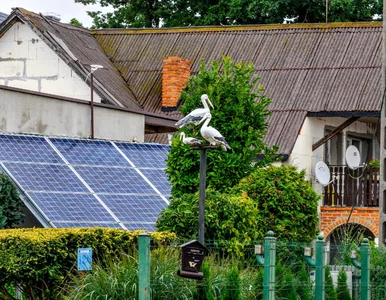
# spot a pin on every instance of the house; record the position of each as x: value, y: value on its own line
x: 323, y: 79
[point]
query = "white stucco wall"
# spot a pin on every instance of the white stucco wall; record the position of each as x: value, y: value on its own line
x: 27, y: 62
x: 27, y: 113
x: 313, y: 130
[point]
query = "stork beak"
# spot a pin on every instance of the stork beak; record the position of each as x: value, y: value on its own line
x: 210, y: 103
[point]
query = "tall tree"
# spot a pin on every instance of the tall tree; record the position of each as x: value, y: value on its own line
x: 169, y: 13
x: 240, y: 115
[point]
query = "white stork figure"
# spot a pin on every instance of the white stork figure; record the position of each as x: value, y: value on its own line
x: 212, y: 135
x: 189, y: 140
x: 196, y: 115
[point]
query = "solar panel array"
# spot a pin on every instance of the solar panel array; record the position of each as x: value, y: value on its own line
x: 89, y: 183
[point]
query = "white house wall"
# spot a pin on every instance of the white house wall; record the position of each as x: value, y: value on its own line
x: 27, y: 62
x: 313, y: 130
x: 35, y: 114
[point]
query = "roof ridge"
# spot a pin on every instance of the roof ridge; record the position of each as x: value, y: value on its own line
x: 254, y: 27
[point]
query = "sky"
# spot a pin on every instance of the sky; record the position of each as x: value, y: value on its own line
x: 65, y: 9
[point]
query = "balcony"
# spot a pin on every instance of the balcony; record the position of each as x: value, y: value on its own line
x: 352, y: 187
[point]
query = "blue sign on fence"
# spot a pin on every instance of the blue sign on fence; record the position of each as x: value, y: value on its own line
x: 84, y: 259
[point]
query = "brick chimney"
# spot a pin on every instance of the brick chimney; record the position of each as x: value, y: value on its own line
x: 175, y: 75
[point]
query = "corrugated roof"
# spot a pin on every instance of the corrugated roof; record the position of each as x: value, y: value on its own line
x: 303, y: 67
x: 3, y: 16
x: 80, y: 50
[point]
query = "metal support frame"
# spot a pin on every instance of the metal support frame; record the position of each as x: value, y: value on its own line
x: 92, y: 105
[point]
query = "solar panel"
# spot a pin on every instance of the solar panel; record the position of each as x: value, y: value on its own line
x: 135, y: 208
x: 145, y: 155
x: 158, y: 179
x: 59, y: 207
x: 42, y: 177
x: 26, y: 149
x: 114, y: 180
x: 89, y: 183
x: 89, y: 152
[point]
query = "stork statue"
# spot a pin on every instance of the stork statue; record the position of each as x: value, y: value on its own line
x: 212, y: 135
x: 195, y: 117
x: 189, y: 140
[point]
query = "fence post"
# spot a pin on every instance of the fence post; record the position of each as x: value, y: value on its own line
x: 144, y: 266
x: 365, y: 270
x: 319, y: 264
x: 269, y: 266
x: 319, y: 268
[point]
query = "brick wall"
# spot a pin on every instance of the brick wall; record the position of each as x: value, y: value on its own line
x: 175, y: 74
x: 333, y: 217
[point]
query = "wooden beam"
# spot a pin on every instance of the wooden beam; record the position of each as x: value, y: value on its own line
x: 334, y: 132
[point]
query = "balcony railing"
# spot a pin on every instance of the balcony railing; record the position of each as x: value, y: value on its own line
x: 352, y: 187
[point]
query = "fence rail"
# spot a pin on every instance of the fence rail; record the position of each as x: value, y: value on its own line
x: 352, y: 187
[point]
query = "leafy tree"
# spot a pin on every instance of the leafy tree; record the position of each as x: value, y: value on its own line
x: 167, y: 13
x: 10, y: 204
x: 342, y: 291
x: 75, y: 22
x: 240, y: 115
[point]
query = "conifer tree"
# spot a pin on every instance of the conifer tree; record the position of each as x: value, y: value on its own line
x: 342, y: 290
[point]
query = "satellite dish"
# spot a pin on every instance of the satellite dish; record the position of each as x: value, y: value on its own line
x: 353, y: 157
x: 322, y: 173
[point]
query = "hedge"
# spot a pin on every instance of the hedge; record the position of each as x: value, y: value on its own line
x: 40, y: 260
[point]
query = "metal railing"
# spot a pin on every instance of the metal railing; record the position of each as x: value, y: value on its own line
x: 352, y: 187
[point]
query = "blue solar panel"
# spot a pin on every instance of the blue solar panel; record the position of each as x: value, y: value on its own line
x: 114, y: 180
x: 86, y: 224
x: 145, y: 155
x: 38, y: 177
x: 27, y: 149
x: 71, y: 207
x: 89, y: 152
x: 134, y: 208
x: 158, y: 179
x: 65, y: 199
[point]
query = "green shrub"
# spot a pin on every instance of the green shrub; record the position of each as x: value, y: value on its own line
x: 342, y: 290
x: 40, y: 259
x: 231, y: 220
x: 204, y: 287
x: 231, y: 290
x: 10, y: 204
x: 304, y: 287
x: 329, y: 290
x: 287, y: 202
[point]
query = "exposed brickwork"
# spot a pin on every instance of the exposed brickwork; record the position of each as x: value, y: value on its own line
x: 333, y: 217
x: 175, y: 74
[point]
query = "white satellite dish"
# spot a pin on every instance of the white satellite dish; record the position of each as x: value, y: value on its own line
x: 322, y: 173
x: 353, y: 157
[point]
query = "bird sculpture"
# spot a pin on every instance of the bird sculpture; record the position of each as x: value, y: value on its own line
x: 212, y: 135
x: 195, y: 116
x: 189, y: 140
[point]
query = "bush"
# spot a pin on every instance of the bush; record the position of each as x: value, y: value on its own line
x: 342, y: 291
x: 39, y: 260
x: 232, y: 285
x: 10, y: 204
x: 329, y: 290
x: 229, y: 219
x: 287, y: 202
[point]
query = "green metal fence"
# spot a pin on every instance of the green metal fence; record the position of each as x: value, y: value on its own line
x: 267, y: 270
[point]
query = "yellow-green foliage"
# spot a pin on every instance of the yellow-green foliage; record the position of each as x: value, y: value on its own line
x: 41, y: 259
